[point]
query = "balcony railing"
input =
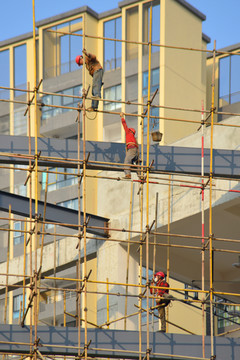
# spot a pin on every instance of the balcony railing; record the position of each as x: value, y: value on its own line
x: 60, y: 69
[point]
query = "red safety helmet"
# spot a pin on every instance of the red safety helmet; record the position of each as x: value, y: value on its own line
x: 132, y: 130
x: 79, y: 60
x: 161, y: 274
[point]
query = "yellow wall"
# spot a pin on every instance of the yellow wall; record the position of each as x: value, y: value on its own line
x: 180, y: 75
x: 183, y: 315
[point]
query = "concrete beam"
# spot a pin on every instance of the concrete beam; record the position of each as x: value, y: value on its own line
x: 54, y: 213
x: 114, y: 343
x: 166, y: 158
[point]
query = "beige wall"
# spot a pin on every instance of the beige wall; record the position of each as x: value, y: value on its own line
x: 180, y: 70
x: 183, y: 315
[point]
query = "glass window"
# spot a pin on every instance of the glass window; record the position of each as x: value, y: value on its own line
x: 20, y: 68
x: 17, y: 305
x: 20, y: 122
x: 154, y: 81
x: 235, y: 79
x: 4, y: 74
x: 58, y: 181
x: 48, y: 112
x: 18, y: 237
x: 155, y: 25
x: 131, y: 88
x: 229, y: 80
x: 132, y: 33
x: 226, y: 315
x: 4, y: 123
x: 64, y: 48
x: 70, y: 204
x: 20, y: 189
x: 112, y: 93
x: 112, y: 49
x: 60, y: 50
x: 224, y: 83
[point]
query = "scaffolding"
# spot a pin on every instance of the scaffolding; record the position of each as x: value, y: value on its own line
x: 147, y: 239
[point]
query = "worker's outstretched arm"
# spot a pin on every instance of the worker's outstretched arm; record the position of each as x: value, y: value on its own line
x: 90, y: 56
x: 124, y: 124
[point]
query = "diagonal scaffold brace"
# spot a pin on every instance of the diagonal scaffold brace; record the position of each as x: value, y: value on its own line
x: 31, y: 297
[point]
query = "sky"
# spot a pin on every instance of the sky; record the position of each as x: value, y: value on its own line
x: 222, y: 23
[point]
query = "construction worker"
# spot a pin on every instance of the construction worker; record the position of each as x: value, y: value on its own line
x: 131, y: 147
x: 162, y: 297
x: 96, y: 71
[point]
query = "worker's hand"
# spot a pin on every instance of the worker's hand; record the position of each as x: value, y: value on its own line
x: 84, y: 51
x: 121, y: 114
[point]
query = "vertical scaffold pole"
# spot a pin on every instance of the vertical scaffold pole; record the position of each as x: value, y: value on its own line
x: 154, y: 250
x: 78, y: 285
x: 7, y: 264
x: 210, y: 207
x: 84, y: 196
x: 168, y: 248
x: 141, y: 239
x: 203, y: 231
x: 147, y: 179
x: 36, y: 177
x: 128, y: 254
x: 108, y: 303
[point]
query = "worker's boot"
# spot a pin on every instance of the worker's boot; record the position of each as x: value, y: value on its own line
x: 127, y: 176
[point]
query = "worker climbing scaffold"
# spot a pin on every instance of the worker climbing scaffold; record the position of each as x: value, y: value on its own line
x: 132, y: 152
x: 163, y: 298
x: 96, y: 71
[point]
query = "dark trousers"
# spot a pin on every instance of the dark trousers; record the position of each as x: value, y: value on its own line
x: 96, y: 86
x: 162, y: 303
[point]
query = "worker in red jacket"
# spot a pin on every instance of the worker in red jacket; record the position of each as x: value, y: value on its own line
x: 162, y: 296
x: 96, y: 71
x: 131, y: 147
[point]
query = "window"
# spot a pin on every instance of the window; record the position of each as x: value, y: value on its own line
x: 154, y: 81
x: 4, y: 121
x: 227, y: 315
x: 48, y: 112
x: 20, y: 69
x: 20, y: 122
x: 70, y: 204
x: 20, y: 189
x: 18, y: 237
x: 112, y: 49
x: 60, y: 50
x: 229, y: 80
x: 4, y: 74
x: 132, y: 33
x: 112, y: 93
x: 131, y: 88
x: 155, y: 26
x: 191, y: 295
x: 17, y: 305
x: 58, y: 181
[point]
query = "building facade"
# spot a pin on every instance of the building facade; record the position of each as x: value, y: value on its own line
x: 183, y: 79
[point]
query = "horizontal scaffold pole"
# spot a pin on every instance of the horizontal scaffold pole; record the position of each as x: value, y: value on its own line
x: 110, y: 343
x: 54, y: 213
x: 106, y: 156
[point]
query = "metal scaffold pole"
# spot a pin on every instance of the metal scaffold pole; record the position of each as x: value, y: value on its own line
x: 29, y: 281
x: 84, y: 197
x: 35, y: 277
x: 203, y: 232
x: 147, y: 177
x: 211, y: 269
